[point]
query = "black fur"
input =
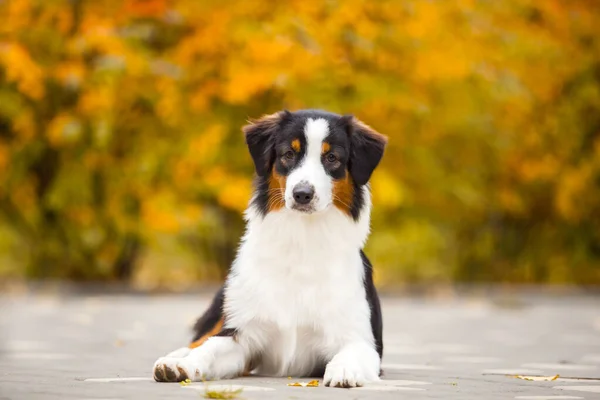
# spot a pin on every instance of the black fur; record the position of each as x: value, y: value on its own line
x: 358, y: 200
x: 260, y: 138
x: 366, y: 152
x: 227, y: 332
x: 261, y: 194
x: 211, y: 316
x: 373, y: 300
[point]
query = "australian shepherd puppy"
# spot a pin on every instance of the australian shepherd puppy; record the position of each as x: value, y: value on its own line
x: 299, y: 299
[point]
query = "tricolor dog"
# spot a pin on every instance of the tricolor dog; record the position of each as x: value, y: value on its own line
x: 299, y: 299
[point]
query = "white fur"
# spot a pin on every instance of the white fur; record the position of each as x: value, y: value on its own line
x: 295, y: 293
x: 217, y: 358
x: 345, y: 368
x: 179, y: 353
x: 311, y: 169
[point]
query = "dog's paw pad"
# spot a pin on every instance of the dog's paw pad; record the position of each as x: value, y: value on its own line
x: 170, y: 370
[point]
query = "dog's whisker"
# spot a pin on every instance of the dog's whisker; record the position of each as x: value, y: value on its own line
x: 336, y: 197
x: 273, y: 200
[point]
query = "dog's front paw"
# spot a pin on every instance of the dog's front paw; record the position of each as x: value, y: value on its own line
x: 344, y: 374
x: 354, y: 365
x: 169, y: 369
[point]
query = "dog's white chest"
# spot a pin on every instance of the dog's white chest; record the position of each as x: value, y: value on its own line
x: 299, y: 288
x: 299, y: 320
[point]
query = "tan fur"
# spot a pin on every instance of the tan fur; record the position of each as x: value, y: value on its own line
x: 269, y: 121
x: 343, y: 192
x: 296, y: 145
x: 276, y: 191
x: 216, y: 329
x: 325, y: 147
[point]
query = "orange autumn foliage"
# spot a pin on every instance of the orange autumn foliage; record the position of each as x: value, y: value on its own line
x: 121, y: 155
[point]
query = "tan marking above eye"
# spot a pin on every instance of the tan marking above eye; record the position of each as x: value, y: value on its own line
x: 296, y: 145
x: 325, y: 147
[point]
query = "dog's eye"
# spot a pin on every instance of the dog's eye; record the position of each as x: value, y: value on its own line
x: 289, y: 155
x: 331, y: 158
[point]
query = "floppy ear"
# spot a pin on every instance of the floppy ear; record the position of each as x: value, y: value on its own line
x: 366, y: 148
x: 260, y: 138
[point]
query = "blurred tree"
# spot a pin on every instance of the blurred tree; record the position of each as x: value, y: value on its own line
x: 121, y: 155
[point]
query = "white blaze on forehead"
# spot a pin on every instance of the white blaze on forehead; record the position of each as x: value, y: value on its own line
x: 315, y: 130
x: 310, y: 169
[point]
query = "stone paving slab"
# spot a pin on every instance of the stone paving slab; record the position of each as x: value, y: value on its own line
x: 103, y: 347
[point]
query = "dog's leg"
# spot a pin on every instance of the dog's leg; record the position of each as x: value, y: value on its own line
x: 208, y: 325
x: 211, y: 322
x: 354, y: 365
x: 179, y: 353
x: 219, y: 357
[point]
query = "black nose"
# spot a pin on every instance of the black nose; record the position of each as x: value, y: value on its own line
x: 303, y: 193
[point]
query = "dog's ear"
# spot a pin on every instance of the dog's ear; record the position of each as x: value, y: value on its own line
x: 366, y: 148
x: 260, y: 138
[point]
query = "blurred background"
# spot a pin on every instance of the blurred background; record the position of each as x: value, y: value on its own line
x: 122, y: 158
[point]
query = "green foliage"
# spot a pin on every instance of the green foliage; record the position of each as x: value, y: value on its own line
x: 121, y: 155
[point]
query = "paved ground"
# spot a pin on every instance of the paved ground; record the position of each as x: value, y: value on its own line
x: 103, y: 347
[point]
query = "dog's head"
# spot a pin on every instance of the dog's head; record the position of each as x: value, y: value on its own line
x: 309, y: 160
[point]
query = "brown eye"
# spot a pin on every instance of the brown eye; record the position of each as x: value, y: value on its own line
x: 331, y: 158
x: 289, y: 155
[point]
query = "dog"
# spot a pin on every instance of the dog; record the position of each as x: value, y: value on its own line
x: 299, y: 299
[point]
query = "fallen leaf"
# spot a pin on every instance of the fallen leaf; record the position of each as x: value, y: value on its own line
x: 222, y: 394
x: 537, y: 378
x: 185, y: 382
x: 305, y: 384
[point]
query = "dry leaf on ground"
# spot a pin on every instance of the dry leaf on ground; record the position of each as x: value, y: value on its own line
x: 537, y: 378
x: 222, y: 394
x: 305, y: 384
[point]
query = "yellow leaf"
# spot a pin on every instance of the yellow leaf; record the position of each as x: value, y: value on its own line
x: 21, y: 68
x: 314, y: 383
x: 537, y: 378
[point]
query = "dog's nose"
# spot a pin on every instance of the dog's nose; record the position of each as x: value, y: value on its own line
x: 303, y: 193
